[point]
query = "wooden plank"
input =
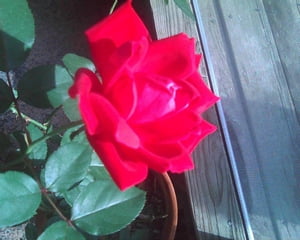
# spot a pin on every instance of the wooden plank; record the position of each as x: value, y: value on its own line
x: 213, y: 198
x: 284, y: 19
x: 256, y: 67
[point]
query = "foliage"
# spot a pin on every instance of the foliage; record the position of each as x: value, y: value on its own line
x: 69, y: 184
x: 185, y: 7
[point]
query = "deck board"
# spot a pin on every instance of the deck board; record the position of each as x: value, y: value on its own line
x: 255, y: 55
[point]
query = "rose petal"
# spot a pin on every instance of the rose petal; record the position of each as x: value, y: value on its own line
x: 124, y: 60
x: 123, y: 95
x: 205, y: 98
x: 203, y: 129
x: 166, y: 157
x: 85, y: 82
x: 172, y: 57
x: 110, y: 125
x: 104, y: 38
x: 125, y: 173
x: 169, y: 129
x: 156, y: 98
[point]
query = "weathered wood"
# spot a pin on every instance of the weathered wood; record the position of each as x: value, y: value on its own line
x: 213, y: 198
x: 255, y: 58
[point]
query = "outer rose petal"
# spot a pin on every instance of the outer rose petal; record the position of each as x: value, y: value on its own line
x: 172, y: 57
x: 123, y: 95
x: 86, y: 83
x: 205, y: 97
x: 201, y: 131
x: 121, y: 27
x: 169, y: 129
x: 166, y: 157
x: 125, y: 173
x: 99, y: 115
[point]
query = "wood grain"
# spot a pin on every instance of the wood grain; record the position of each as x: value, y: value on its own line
x: 255, y: 54
x: 212, y: 194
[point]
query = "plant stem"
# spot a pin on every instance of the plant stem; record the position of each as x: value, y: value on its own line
x: 16, y: 110
x: 16, y: 106
x: 45, y: 137
x: 56, y: 209
x: 51, y: 134
x: 29, y: 119
x: 113, y: 7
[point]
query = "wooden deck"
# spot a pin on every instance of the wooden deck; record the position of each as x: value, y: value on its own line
x: 246, y: 184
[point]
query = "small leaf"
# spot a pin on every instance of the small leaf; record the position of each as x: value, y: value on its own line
x: 6, y: 97
x: 185, y: 7
x: 98, y: 206
x: 20, y: 197
x: 73, y: 62
x: 59, y: 94
x: 16, y: 33
x: 34, y: 86
x: 60, y: 231
x: 70, y: 107
x: 96, y: 161
x: 75, y: 134
x: 66, y: 166
x: 94, y: 173
x: 40, y: 150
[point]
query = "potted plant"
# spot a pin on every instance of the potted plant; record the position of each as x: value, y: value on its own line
x: 123, y: 111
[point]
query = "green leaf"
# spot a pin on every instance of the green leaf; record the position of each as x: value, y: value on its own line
x: 94, y: 173
x: 34, y: 86
x: 60, y: 231
x: 101, y: 208
x: 6, y: 97
x: 59, y: 94
x: 73, y: 62
x: 75, y: 134
x: 20, y: 197
x: 40, y: 150
x: 66, y: 166
x: 96, y: 161
x: 185, y: 7
x: 16, y: 33
x: 70, y: 107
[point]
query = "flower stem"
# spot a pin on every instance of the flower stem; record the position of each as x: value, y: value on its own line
x: 51, y: 134
x: 16, y: 106
x: 28, y: 119
x: 45, y: 137
x: 56, y: 209
x: 113, y: 7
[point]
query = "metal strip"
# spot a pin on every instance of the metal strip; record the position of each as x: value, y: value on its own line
x: 221, y: 115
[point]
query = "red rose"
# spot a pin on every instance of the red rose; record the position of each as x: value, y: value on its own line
x: 145, y: 110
